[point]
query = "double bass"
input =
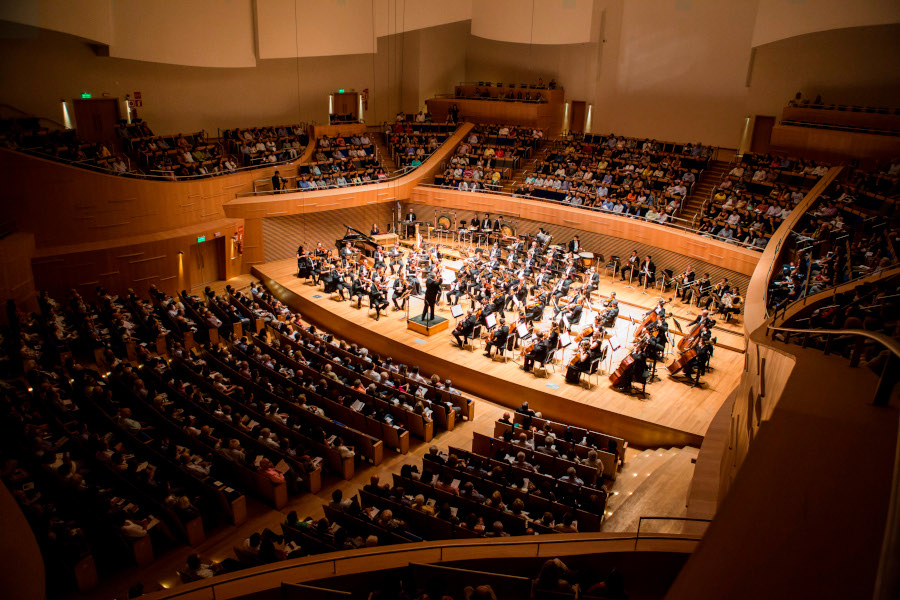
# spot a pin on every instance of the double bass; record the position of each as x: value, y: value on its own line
x: 690, y: 340
x: 627, y: 363
x: 678, y: 364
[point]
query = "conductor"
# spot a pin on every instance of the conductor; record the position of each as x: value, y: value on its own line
x: 432, y: 293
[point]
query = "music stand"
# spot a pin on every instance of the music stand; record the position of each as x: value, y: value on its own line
x: 630, y: 277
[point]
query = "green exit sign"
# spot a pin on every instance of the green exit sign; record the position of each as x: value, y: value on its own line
x: 201, y: 238
x: 341, y: 91
x: 85, y: 96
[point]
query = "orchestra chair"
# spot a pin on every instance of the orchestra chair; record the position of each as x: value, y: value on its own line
x: 541, y: 370
x: 666, y: 280
x: 475, y: 338
x: 501, y: 355
x: 612, y: 264
x: 594, y: 370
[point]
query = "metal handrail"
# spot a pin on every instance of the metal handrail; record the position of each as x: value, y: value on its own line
x: 637, y: 535
x: 393, y: 176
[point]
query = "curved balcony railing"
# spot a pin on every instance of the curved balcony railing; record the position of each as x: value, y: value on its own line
x: 364, y: 560
x: 675, y: 222
x: 85, y: 164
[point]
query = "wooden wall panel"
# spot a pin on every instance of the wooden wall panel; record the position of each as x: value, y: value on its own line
x: 87, y: 206
x: 833, y: 144
x: 16, y: 279
x: 152, y: 259
x: 608, y: 245
x: 282, y: 235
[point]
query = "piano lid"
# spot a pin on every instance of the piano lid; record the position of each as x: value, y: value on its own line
x: 359, y: 235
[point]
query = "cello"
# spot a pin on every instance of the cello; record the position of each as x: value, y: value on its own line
x: 678, y: 364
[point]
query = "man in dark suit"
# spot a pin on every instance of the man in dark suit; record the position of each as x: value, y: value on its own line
x: 377, y: 300
x: 410, y: 220
x: 464, y: 329
x: 277, y: 182
x: 647, y: 274
x: 562, y: 288
x: 699, y: 363
x: 575, y: 245
x: 432, y: 293
x: 702, y: 317
x: 486, y: 222
x: 501, y: 334
x: 591, y: 282
x: 683, y: 288
x: 633, y: 262
x: 538, y: 353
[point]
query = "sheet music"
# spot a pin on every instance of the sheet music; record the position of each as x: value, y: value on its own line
x: 491, y: 320
x: 456, y: 311
x: 522, y: 330
x: 565, y: 339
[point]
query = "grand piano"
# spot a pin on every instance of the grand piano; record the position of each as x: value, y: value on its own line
x: 365, y: 243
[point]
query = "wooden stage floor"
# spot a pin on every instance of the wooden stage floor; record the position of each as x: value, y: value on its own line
x: 671, y: 414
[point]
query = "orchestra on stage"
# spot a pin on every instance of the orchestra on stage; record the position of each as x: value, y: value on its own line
x: 546, y: 288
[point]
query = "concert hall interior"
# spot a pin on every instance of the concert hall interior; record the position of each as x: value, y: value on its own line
x: 466, y: 299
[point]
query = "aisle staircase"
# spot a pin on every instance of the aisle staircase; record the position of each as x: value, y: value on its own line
x: 654, y: 481
x: 384, y: 155
x: 527, y: 165
x: 712, y: 175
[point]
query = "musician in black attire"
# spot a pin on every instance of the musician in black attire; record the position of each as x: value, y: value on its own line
x: 637, y: 372
x: 277, y: 182
x: 683, y: 286
x: 704, y: 287
x: 340, y: 284
x: 498, y: 340
x: 575, y: 245
x: 432, y: 293
x: 562, y: 288
x: 378, y: 258
x: 541, y: 280
x: 329, y: 280
x: 376, y: 300
x: 656, y: 343
x: 457, y: 289
x: 410, y: 223
x: 591, y: 282
x: 633, y: 262
x: 535, y: 310
x: 401, y: 287
x: 303, y: 264
x: 647, y: 275
x: 464, y: 329
x: 581, y: 362
x: 538, y: 353
x: 358, y: 290
x: 703, y: 317
x: 699, y: 363
x: 374, y: 230
x: 518, y: 290
x: 396, y: 257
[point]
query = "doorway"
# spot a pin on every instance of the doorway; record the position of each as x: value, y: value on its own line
x: 762, y: 133
x: 96, y: 120
x: 576, y: 117
x: 207, y: 262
